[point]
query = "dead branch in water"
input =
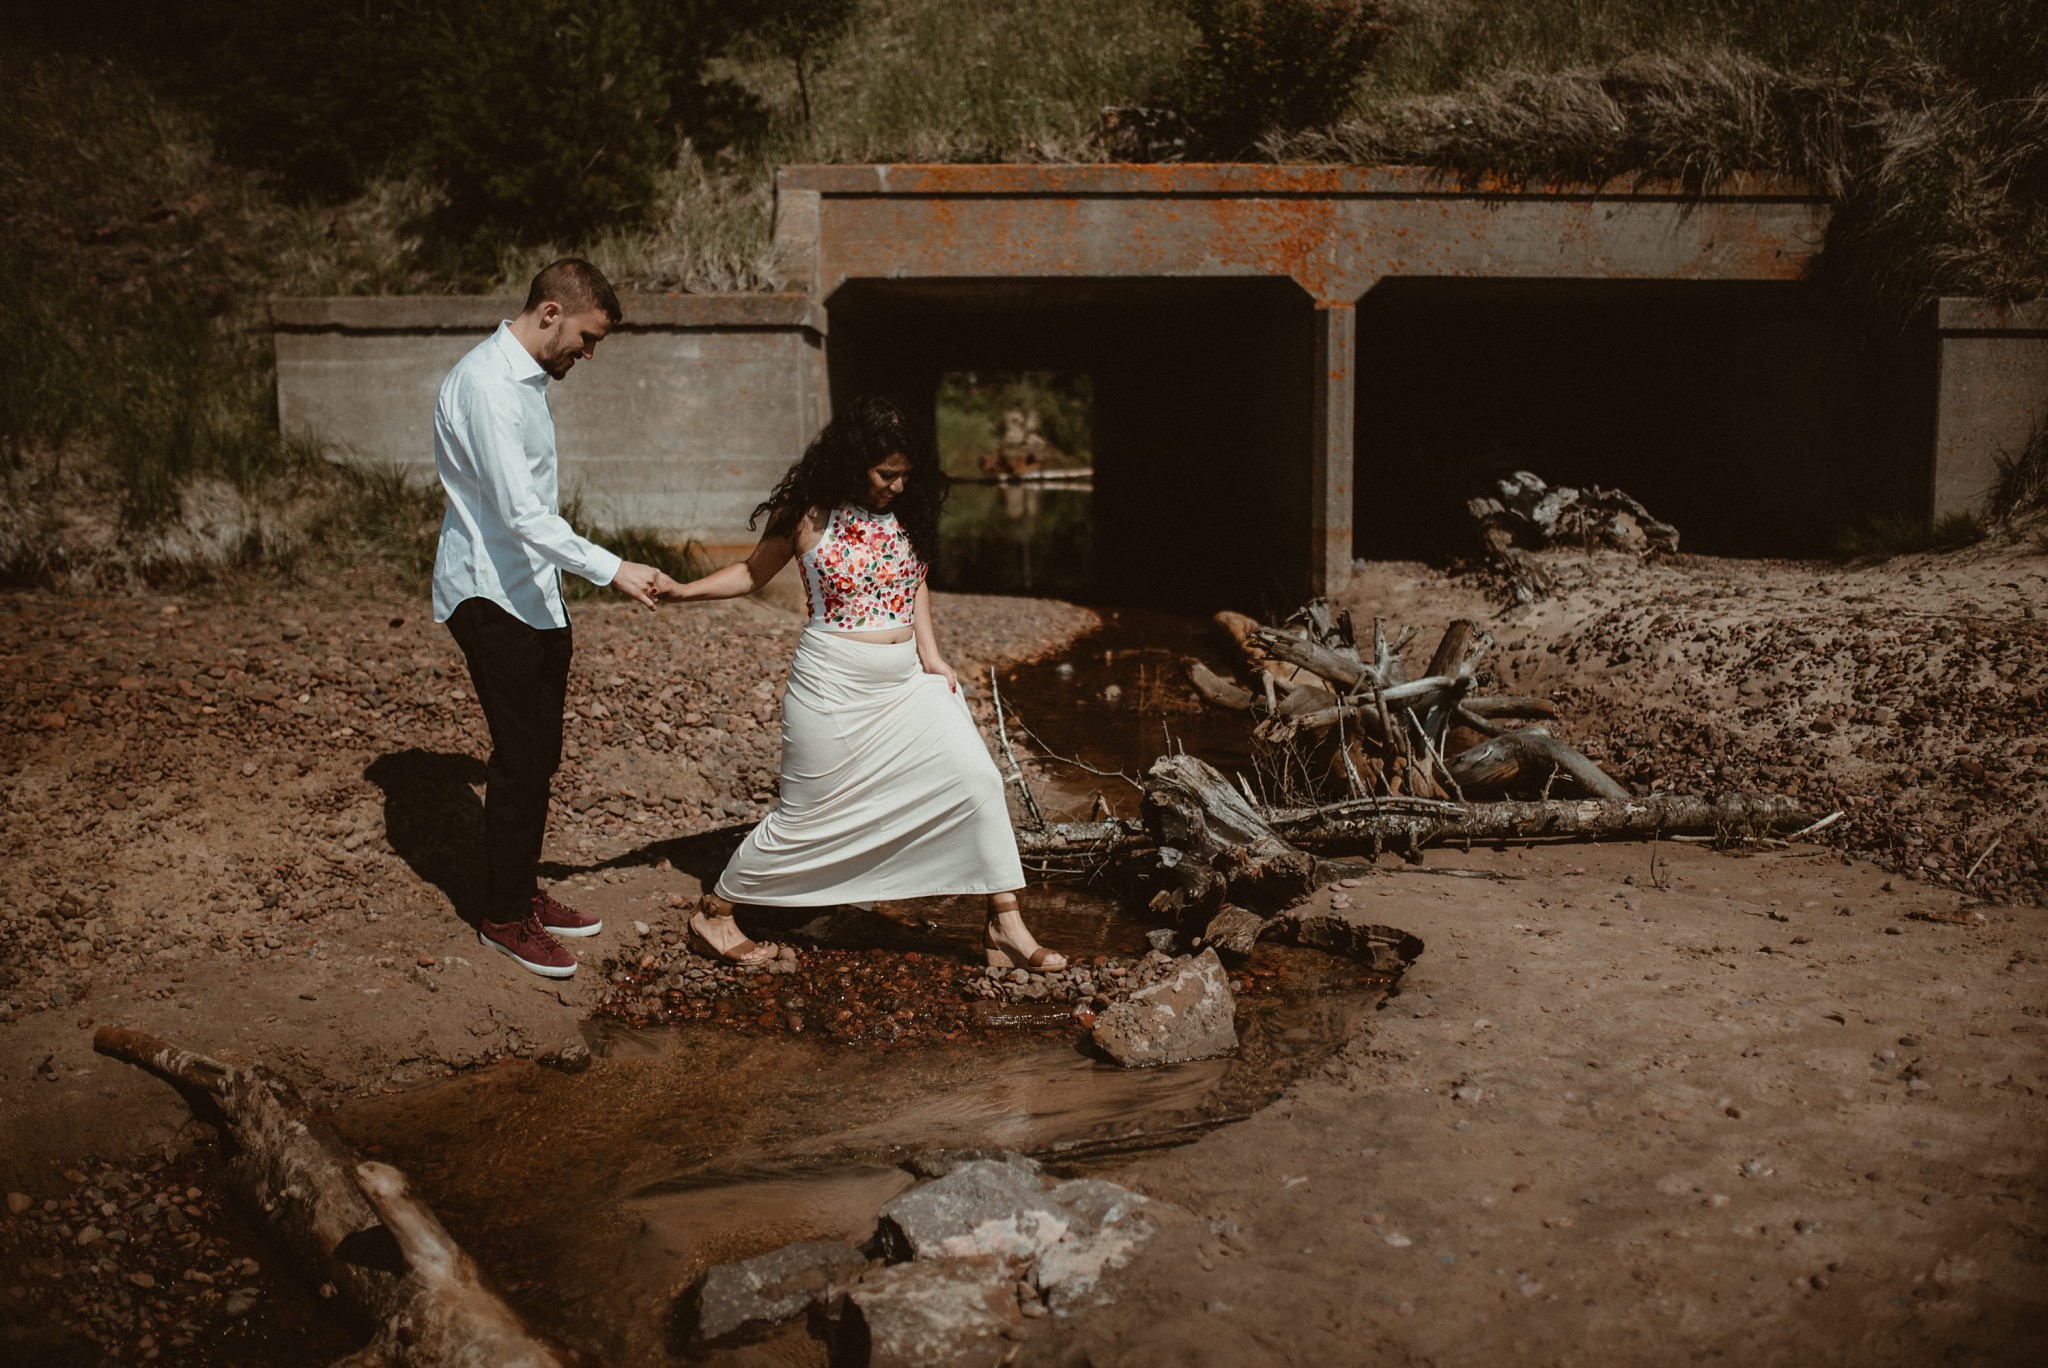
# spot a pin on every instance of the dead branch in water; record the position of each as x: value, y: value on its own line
x: 353, y: 1226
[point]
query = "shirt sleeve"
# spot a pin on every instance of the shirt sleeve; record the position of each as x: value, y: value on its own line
x: 505, y: 485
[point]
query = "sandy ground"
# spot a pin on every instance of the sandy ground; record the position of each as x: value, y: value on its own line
x: 248, y: 824
x: 1743, y: 1110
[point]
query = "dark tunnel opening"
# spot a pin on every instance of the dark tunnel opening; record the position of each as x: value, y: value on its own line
x: 1745, y: 413
x: 1200, y: 413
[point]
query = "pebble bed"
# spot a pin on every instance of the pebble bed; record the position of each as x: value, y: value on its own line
x: 880, y: 997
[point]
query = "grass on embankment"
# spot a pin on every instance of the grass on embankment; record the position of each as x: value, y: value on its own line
x: 137, y: 429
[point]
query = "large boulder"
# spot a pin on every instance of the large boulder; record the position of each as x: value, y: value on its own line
x: 950, y: 1311
x: 984, y: 1207
x: 1189, y: 1015
x: 730, y: 1302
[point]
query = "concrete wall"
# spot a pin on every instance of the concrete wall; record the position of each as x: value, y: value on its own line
x: 686, y: 417
x: 1991, y: 394
x: 1333, y: 231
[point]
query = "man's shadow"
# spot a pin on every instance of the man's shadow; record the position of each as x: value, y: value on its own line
x: 435, y: 821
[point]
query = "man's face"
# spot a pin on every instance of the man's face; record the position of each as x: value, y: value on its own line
x: 568, y: 338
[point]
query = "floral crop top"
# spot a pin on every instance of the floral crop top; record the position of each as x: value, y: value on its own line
x: 863, y: 575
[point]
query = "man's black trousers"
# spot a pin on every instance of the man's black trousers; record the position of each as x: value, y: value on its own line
x: 521, y: 675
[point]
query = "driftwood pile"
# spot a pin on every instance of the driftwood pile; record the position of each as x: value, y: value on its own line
x: 1524, y: 514
x: 1360, y: 758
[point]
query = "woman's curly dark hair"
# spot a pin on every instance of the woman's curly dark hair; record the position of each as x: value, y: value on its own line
x: 834, y: 472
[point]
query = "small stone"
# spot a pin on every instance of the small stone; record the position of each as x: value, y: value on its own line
x: 18, y: 1202
x: 729, y: 1300
x: 641, y: 928
x: 1715, y: 1199
x: 941, y: 1311
x: 1187, y: 1015
x: 91, y: 1235
x: 241, y: 1302
x: 1805, y: 1227
x: 1935, y: 1199
x: 1397, y: 1239
x: 142, y: 1280
x: 1467, y: 1093
x: 983, y: 1207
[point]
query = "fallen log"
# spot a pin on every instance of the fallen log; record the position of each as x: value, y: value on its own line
x: 445, y: 1310
x: 1530, y: 759
x: 1343, y: 671
x: 1082, y: 838
x: 1244, y: 631
x: 1513, y: 707
x: 1457, y: 653
x: 354, y: 1228
x: 1216, y: 689
x: 1396, y: 820
x: 1355, y: 825
x: 1211, y: 838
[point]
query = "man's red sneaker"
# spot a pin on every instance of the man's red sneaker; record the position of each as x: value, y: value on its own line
x: 529, y: 943
x: 563, y: 920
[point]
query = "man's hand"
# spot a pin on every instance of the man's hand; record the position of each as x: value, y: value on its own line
x: 638, y: 582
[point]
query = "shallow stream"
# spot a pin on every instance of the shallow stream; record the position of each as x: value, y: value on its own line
x: 595, y: 1198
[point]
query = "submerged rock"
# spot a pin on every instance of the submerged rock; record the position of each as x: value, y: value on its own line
x: 730, y: 1301
x: 1189, y: 1015
x: 937, y: 1163
x: 983, y: 1207
x: 951, y: 1311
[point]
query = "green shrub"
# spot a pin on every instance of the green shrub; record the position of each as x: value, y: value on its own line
x: 1266, y: 66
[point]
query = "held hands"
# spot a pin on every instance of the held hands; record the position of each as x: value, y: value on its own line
x: 640, y: 583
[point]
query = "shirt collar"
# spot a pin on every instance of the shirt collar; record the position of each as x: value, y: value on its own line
x: 524, y: 368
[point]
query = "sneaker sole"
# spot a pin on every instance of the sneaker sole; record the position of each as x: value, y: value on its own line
x: 589, y: 930
x: 544, y: 970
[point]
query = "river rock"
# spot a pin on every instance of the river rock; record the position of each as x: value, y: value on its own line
x: 984, y: 1207
x: 1188, y: 1015
x: 729, y: 1301
x: 951, y: 1311
x: 1068, y: 1275
x: 1235, y: 931
x: 937, y: 1163
x: 1347, y: 931
x: 1096, y: 1202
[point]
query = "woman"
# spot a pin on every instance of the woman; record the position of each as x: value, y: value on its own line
x: 887, y: 789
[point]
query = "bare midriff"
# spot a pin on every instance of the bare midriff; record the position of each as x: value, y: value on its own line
x: 885, y: 638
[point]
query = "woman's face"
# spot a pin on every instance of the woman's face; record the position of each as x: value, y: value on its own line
x: 886, y: 480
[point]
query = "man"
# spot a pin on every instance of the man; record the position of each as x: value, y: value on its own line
x: 498, y: 585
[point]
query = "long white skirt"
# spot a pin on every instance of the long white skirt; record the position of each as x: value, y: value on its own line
x: 887, y: 788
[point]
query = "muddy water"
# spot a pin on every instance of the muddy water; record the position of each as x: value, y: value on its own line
x: 1118, y: 698
x: 595, y: 1198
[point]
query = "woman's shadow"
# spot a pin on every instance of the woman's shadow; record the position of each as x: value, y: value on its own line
x: 434, y: 821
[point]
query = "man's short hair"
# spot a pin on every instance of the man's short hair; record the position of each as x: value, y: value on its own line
x: 574, y: 285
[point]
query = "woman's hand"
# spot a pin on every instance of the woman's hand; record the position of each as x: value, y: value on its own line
x: 934, y: 665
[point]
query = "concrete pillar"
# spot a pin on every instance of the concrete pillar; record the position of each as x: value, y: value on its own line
x: 1330, y: 449
x: 1991, y: 394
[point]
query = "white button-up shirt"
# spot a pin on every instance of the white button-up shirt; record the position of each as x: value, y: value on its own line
x: 494, y: 449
